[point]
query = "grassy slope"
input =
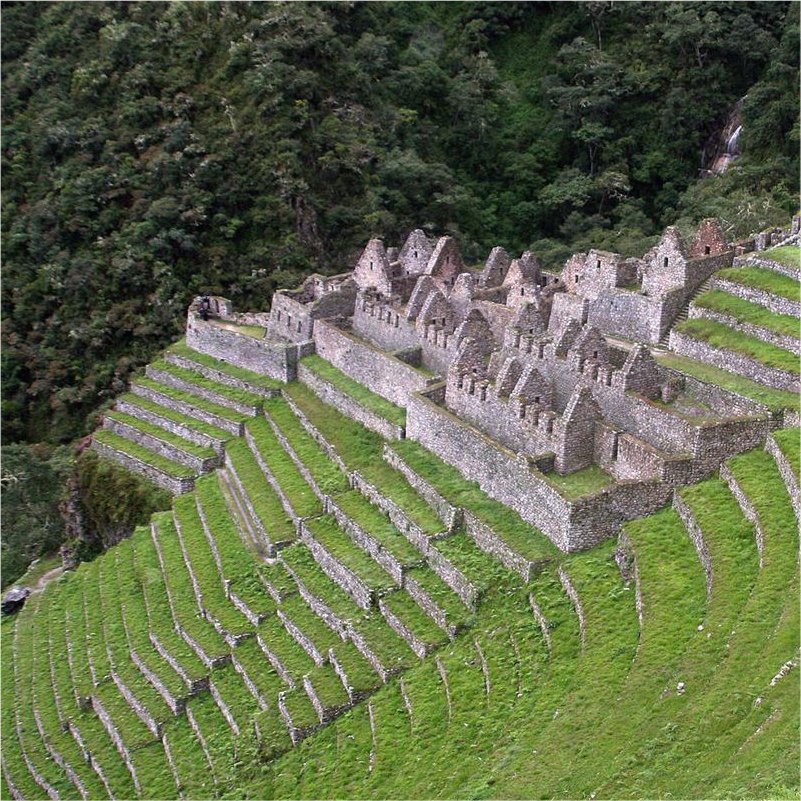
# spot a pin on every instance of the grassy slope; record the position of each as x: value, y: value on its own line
x: 721, y: 336
x: 766, y: 280
x: 746, y: 312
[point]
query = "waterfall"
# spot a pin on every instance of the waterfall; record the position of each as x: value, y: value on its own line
x: 723, y: 146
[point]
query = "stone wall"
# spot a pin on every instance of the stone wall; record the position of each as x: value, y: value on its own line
x: 383, y: 326
x: 765, y: 334
x: 220, y: 377
x: 190, y: 434
x: 764, y: 260
x: 348, y: 405
x: 231, y: 426
x: 161, y: 447
x: 378, y: 371
x: 733, y: 362
x: 447, y: 512
x: 177, y: 486
x: 627, y: 314
x: 788, y: 474
x: 775, y: 303
x: 264, y: 356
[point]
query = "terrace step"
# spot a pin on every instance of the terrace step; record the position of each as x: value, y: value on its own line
x: 161, y: 442
x: 190, y: 405
x: 684, y: 312
x: 188, y: 428
x: 166, y: 473
x: 220, y: 372
x: 179, y: 378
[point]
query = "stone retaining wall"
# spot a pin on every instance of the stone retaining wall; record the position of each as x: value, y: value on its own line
x: 170, y: 380
x: 397, y: 516
x: 269, y: 357
x: 219, y: 376
x: 166, y: 449
x: 367, y: 542
x: 697, y: 536
x: 491, y: 543
x: 232, y: 427
x: 748, y: 509
x: 348, y: 405
x: 299, y: 463
x: 301, y: 639
x: 421, y: 649
x: 775, y: 303
x: 446, y: 511
x: 454, y: 578
x: 789, y: 475
x: 378, y: 371
x: 733, y: 362
x: 273, y: 481
x: 764, y: 260
x: 765, y: 334
x: 269, y: 545
x: 177, y: 486
x: 315, y: 434
x: 335, y: 570
x: 430, y: 606
x: 190, y: 434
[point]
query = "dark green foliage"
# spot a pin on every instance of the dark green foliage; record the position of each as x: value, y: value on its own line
x: 114, y: 500
x: 153, y: 150
x: 32, y: 489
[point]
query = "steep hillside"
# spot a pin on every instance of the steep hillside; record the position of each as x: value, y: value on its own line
x: 152, y: 151
x: 313, y: 621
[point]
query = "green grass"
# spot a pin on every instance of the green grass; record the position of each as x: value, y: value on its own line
x: 43, y: 565
x: 787, y: 254
x: 162, y: 434
x: 374, y: 522
x: 255, y: 331
x: 745, y: 312
x: 721, y: 336
x: 192, y: 378
x: 403, y: 606
x: 176, y: 417
x: 256, y: 379
x: 266, y: 503
x: 326, y: 531
x: 326, y: 474
x: 300, y: 494
x: 774, y: 399
x: 193, y: 400
x: 328, y: 687
x: 361, y: 449
x: 520, y: 536
x: 764, y: 279
x: 788, y: 441
x: 442, y: 595
x: 300, y: 560
x: 587, y: 481
x: 143, y: 454
x: 374, y: 403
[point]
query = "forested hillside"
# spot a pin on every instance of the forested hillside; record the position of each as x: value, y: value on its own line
x: 153, y: 150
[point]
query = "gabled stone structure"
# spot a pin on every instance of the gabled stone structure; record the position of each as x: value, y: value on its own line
x: 510, y: 374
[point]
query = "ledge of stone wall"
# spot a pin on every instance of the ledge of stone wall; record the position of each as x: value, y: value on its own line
x: 765, y: 334
x: 775, y: 303
x: 733, y: 362
x: 177, y: 486
x: 190, y: 434
x: 169, y: 380
x: 231, y: 427
x: 764, y: 260
x: 219, y: 376
x: 161, y: 447
x: 348, y: 405
x: 788, y: 474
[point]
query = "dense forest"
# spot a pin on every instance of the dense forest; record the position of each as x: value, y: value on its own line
x: 151, y: 151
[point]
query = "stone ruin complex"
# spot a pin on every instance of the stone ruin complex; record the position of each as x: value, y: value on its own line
x: 516, y: 375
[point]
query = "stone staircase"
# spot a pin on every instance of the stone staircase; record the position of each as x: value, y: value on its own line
x: 684, y: 312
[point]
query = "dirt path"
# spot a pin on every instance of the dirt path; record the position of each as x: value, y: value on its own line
x: 47, y: 577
